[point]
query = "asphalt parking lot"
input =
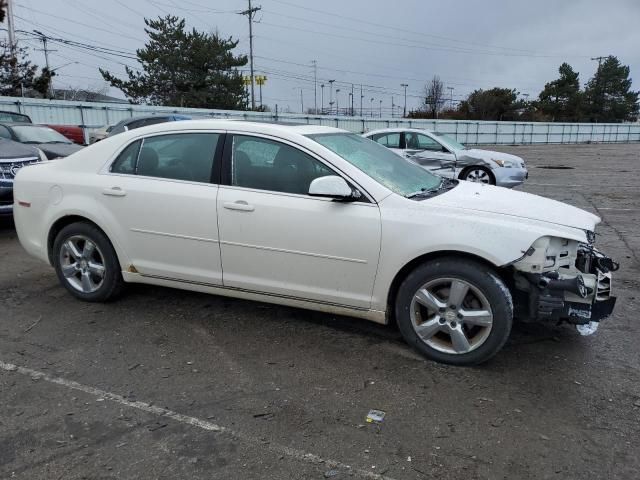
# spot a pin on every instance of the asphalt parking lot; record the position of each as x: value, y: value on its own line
x: 172, y: 384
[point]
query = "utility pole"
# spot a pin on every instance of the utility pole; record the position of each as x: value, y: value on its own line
x: 450, y: 97
x: 337, y: 104
x: 315, y: 86
x: 361, y: 99
x: 372, y: 99
x: 11, y: 28
x: 43, y: 39
x: 352, y: 93
x: 301, y: 102
x: 404, y: 112
x: 250, y: 12
x: 600, y: 90
x: 380, y: 108
x: 322, y: 99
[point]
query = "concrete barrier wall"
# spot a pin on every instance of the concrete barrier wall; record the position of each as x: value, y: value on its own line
x: 95, y: 115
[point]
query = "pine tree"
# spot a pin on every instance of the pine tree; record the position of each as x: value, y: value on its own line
x: 608, y: 94
x: 18, y: 74
x: 182, y: 68
x: 561, y: 99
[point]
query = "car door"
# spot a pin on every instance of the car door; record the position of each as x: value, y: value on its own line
x: 160, y: 193
x: 429, y: 153
x: 277, y: 239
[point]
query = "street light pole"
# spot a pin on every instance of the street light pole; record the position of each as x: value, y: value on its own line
x: 337, y: 104
x: 450, y: 97
x: 331, y: 96
x: 405, y: 85
x: 371, y: 101
x: 380, y: 108
x: 322, y: 99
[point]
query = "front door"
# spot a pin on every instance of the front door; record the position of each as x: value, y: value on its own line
x: 430, y: 154
x: 276, y: 239
x: 160, y: 193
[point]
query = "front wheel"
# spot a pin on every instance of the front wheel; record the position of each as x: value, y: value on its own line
x: 454, y: 311
x: 478, y: 174
x: 86, y: 263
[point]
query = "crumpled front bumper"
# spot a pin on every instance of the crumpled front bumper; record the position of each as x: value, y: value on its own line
x: 510, y: 177
x: 578, y: 296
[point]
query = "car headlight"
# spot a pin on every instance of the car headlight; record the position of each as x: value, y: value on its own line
x: 504, y: 163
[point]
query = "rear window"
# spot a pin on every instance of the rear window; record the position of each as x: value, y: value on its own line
x: 14, y: 117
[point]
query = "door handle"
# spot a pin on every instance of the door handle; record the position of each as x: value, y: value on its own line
x: 114, y: 192
x: 239, y: 205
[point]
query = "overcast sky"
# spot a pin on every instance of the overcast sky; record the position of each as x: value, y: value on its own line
x: 380, y: 44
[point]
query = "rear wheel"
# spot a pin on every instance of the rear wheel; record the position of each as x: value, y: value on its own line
x: 454, y: 311
x: 478, y: 174
x: 86, y: 263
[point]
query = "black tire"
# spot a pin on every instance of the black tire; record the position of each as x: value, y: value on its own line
x: 110, y: 285
x: 485, y: 282
x: 464, y: 175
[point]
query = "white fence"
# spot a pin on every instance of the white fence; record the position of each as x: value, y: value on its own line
x: 96, y: 115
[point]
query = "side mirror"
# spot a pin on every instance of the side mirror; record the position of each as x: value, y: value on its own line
x: 333, y: 186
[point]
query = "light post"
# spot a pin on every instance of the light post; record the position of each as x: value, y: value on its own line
x: 450, y: 97
x: 337, y: 104
x: 371, y: 108
x: 380, y: 108
x: 351, y: 103
x: 331, y: 96
x: 405, y: 85
x: 322, y: 99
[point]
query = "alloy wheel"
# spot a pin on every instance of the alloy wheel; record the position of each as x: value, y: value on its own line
x: 451, y: 315
x: 82, y: 264
x: 478, y: 175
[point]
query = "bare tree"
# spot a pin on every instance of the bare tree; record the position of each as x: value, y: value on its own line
x: 434, y: 96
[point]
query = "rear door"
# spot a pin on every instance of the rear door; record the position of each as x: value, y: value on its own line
x: 277, y: 239
x: 162, y: 191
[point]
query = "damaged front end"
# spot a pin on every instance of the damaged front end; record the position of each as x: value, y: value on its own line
x: 563, y: 280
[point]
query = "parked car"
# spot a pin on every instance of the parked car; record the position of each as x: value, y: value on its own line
x: 14, y: 117
x: 98, y: 134
x: 318, y: 218
x: 446, y: 157
x: 137, y: 122
x: 13, y: 156
x: 53, y: 144
x: 72, y: 132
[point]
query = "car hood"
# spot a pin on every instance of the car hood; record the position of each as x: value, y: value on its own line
x: 488, y: 155
x: 503, y: 201
x: 55, y: 150
x: 10, y: 150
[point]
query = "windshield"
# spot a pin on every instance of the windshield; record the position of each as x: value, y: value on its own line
x: 450, y: 142
x: 391, y: 170
x: 39, y: 135
x: 14, y: 117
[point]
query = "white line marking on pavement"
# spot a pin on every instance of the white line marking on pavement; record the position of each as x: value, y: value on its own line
x: 193, y: 421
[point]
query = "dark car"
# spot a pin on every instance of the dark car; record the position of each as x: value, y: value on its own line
x: 13, y: 156
x: 137, y: 122
x: 53, y: 144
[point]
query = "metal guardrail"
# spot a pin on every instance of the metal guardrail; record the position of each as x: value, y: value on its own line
x: 95, y: 115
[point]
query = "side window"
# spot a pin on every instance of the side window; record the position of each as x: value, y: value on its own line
x: 389, y: 140
x: 4, y: 132
x: 126, y: 161
x: 179, y: 156
x: 417, y: 141
x: 267, y: 165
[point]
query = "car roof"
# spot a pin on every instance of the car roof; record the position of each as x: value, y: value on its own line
x: 398, y: 130
x: 240, y: 125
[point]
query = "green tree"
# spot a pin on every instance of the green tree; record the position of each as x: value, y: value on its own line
x: 182, y: 68
x: 494, y: 104
x: 608, y: 94
x: 561, y: 99
x: 18, y: 74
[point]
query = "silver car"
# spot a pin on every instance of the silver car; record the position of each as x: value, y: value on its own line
x: 446, y: 157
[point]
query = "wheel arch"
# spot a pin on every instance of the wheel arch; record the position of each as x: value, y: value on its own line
x: 413, y: 264
x: 66, y: 220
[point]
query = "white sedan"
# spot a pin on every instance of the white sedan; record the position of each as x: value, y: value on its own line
x: 441, y: 154
x: 317, y: 218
